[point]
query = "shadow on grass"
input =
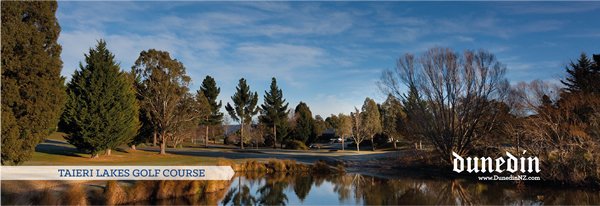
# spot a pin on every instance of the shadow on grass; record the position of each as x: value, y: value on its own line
x: 57, y: 148
x: 121, y: 150
x: 51, y: 141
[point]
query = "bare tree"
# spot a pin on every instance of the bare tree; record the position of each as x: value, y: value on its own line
x: 457, y: 90
x: 562, y: 128
x: 344, y: 127
x: 257, y: 134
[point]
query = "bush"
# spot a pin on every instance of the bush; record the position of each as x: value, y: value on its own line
x: 114, y: 193
x: 321, y: 167
x: 286, y: 165
x: 579, y: 167
x: 295, y: 144
x: 75, y: 195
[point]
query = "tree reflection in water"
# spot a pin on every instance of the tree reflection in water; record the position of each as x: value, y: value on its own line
x: 295, y: 189
x: 283, y: 188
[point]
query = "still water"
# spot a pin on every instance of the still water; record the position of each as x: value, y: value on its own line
x: 297, y: 189
x: 351, y: 189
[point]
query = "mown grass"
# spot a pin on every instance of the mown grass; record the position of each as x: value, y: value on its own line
x: 56, y: 151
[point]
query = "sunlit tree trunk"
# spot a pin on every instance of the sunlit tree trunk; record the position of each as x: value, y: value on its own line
x: 206, y: 136
x: 163, y: 143
x: 154, y: 141
x: 274, y: 136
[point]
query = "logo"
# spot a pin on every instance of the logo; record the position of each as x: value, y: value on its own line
x: 510, y: 164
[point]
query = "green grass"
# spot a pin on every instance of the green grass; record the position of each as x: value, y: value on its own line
x: 56, y: 151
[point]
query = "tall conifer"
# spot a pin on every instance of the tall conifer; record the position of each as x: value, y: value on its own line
x: 211, y: 92
x: 33, y: 93
x: 244, y: 108
x: 274, y: 109
x: 304, y: 125
x: 101, y: 112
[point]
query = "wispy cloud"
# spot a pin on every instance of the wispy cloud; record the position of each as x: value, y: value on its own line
x: 328, y: 54
x: 550, y: 7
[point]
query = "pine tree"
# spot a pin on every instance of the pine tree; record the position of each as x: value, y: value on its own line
x: 205, y: 112
x: 304, y: 127
x: 244, y: 108
x: 392, y: 118
x: 101, y: 112
x: 274, y: 109
x: 211, y: 92
x: 583, y: 76
x: 33, y: 93
x: 413, y: 105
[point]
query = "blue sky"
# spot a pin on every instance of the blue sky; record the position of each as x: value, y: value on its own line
x: 328, y: 54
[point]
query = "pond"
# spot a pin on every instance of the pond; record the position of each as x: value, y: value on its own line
x: 350, y: 189
x: 300, y: 189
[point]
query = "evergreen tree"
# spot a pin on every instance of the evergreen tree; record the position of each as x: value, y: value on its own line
x: 205, y: 112
x: 392, y: 118
x: 33, y: 92
x: 413, y: 104
x: 319, y: 127
x: 274, y: 109
x: 146, y: 130
x: 244, y: 108
x: 101, y: 112
x: 371, y: 120
x: 162, y: 85
x: 583, y: 76
x: 304, y: 127
x: 284, y: 130
x: 211, y: 92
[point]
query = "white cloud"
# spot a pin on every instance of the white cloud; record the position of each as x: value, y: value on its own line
x: 74, y: 45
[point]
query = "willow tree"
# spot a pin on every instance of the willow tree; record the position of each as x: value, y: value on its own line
x: 101, y: 112
x: 274, y: 109
x: 162, y: 85
x: 33, y: 92
x: 210, y: 91
x: 456, y: 89
x: 244, y: 107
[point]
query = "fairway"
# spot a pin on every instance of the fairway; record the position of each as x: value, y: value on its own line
x: 56, y: 151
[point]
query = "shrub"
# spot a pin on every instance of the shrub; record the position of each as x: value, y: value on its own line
x: 321, y: 167
x: 75, y: 195
x: 114, y: 194
x: 295, y: 144
x: 141, y: 190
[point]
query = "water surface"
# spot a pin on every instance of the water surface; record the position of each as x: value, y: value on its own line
x: 350, y: 189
